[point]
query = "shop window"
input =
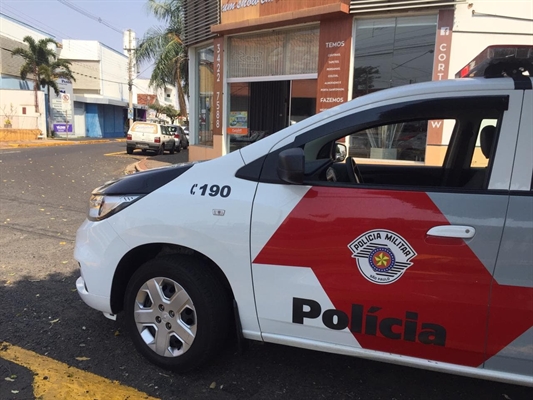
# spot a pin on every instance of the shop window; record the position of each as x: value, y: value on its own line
x: 205, y: 96
x: 259, y: 109
x: 392, y: 52
x: 291, y: 52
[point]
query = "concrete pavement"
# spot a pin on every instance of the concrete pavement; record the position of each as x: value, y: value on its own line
x: 141, y: 165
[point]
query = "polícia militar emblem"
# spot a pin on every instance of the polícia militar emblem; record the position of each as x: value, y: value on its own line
x: 382, y: 256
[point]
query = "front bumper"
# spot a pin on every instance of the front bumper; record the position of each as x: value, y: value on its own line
x: 96, y: 302
x: 98, y: 250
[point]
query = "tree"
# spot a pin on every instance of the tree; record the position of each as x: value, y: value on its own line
x: 158, y: 108
x: 167, y: 110
x: 171, y: 113
x: 165, y: 47
x: 42, y: 65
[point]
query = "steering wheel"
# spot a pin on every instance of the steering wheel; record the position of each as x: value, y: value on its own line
x: 353, y: 171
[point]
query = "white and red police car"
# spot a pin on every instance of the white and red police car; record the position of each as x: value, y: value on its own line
x: 290, y: 241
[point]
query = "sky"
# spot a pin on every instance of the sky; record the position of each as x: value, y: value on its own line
x: 62, y: 22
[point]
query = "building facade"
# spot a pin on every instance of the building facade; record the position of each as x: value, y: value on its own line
x: 17, y: 102
x: 144, y: 94
x: 100, y: 92
x: 258, y: 66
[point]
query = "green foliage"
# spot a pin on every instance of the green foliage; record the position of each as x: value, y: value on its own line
x: 163, y: 45
x: 167, y: 110
x: 171, y: 113
x: 42, y: 65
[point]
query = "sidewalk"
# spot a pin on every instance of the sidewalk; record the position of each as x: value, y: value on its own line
x: 57, y: 142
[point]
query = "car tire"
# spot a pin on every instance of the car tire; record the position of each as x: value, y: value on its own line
x: 173, y: 149
x: 186, y: 147
x: 161, y: 150
x: 178, y: 313
x: 178, y: 147
x: 129, y: 150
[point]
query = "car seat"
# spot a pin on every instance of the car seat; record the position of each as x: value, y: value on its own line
x: 486, y: 139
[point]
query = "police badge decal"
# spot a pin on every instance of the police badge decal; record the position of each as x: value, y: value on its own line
x: 382, y: 256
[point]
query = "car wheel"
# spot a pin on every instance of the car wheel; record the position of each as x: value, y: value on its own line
x: 161, y: 149
x: 178, y: 313
x: 178, y: 147
x: 129, y: 150
x: 186, y: 146
x: 173, y: 149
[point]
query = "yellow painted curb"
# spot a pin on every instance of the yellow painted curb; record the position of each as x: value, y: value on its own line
x: 50, y: 143
x: 55, y: 380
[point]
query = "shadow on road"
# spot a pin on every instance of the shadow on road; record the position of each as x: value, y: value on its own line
x: 49, y: 318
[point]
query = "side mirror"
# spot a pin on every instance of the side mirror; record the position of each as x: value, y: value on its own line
x: 291, y: 164
x: 339, y: 152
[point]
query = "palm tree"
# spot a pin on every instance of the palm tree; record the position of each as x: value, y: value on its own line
x: 164, y: 46
x: 58, y: 69
x: 37, y: 61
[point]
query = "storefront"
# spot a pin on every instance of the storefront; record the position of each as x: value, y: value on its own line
x: 268, y: 64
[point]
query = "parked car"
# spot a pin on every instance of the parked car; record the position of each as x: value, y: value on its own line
x: 182, y: 140
x: 150, y: 136
x: 289, y: 241
x: 186, y: 130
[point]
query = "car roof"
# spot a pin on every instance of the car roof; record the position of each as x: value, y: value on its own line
x: 453, y: 87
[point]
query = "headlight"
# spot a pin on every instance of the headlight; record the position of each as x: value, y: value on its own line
x: 102, y: 206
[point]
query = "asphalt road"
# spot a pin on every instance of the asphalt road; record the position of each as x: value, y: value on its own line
x: 43, y: 199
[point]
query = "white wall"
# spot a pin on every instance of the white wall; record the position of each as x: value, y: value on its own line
x: 17, y: 30
x: 112, y: 68
x: 22, y: 99
x: 141, y: 86
x: 87, y: 50
x: 473, y: 33
x: 114, y: 74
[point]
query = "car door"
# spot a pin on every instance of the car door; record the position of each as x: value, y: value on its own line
x: 511, y: 304
x: 397, y: 264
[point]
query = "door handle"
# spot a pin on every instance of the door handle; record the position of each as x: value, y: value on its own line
x: 453, y: 231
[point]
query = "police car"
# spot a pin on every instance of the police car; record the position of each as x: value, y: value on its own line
x: 291, y: 241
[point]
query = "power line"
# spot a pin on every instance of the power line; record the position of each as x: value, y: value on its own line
x: 78, y: 45
x: 89, y: 15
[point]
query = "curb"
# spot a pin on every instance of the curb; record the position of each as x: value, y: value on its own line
x: 52, y: 143
x: 140, y: 165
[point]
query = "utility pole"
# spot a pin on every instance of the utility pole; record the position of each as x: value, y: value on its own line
x: 129, y: 46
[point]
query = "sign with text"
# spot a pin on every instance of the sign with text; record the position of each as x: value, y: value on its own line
x: 232, y: 11
x: 61, y: 107
x: 334, y: 62
x: 238, y: 123
x: 441, y: 65
x: 218, y: 80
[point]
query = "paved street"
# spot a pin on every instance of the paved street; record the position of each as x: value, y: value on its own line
x: 44, y: 196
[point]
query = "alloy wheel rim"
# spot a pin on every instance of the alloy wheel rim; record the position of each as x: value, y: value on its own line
x: 165, y: 317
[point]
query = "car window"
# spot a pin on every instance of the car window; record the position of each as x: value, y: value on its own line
x: 397, y: 154
x: 395, y: 145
